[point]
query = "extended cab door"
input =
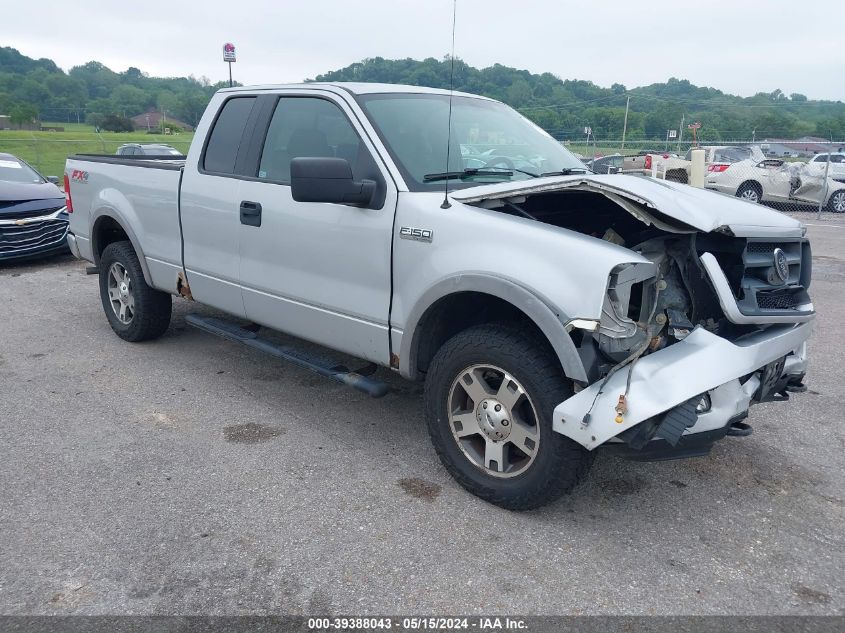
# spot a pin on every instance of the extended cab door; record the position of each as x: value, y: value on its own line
x: 209, y: 203
x: 320, y: 271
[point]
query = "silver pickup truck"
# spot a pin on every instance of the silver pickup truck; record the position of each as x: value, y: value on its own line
x: 551, y: 312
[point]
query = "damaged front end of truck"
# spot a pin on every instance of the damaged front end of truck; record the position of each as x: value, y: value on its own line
x: 686, y: 342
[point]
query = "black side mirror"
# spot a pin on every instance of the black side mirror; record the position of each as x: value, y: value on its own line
x: 53, y: 179
x: 315, y: 179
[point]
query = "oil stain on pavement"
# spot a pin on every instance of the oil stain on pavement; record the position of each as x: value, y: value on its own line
x: 420, y: 488
x: 251, y: 433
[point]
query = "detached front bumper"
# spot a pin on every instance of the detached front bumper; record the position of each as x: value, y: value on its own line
x: 701, y: 363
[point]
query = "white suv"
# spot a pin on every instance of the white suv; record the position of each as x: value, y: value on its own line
x: 837, y: 164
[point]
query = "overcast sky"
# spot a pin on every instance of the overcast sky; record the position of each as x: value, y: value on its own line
x: 738, y: 46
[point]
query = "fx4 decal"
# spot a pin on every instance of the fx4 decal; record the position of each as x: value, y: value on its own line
x: 77, y: 175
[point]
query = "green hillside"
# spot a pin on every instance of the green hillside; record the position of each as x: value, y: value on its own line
x: 32, y: 88
x: 565, y: 107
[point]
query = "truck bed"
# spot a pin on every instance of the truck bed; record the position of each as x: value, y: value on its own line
x: 143, y: 195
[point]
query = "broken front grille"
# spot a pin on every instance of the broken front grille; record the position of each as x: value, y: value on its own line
x: 31, y: 237
x: 774, y: 277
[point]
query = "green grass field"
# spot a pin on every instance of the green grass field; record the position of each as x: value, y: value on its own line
x: 47, y: 151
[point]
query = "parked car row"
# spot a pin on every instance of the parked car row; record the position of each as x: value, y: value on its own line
x: 743, y: 171
x: 672, y: 167
x: 777, y: 181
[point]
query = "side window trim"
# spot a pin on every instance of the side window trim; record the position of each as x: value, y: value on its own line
x: 263, y: 115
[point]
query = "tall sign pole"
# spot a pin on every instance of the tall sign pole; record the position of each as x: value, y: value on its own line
x: 694, y: 127
x: 229, y: 57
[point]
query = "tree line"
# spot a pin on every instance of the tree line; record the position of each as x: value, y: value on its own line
x: 31, y: 89
x: 565, y: 107
x: 39, y: 89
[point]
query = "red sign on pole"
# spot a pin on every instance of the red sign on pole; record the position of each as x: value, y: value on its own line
x: 229, y: 52
x: 694, y: 127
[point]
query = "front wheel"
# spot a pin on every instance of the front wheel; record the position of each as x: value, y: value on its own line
x: 489, y: 395
x: 136, y: 312
x: 836, y: 202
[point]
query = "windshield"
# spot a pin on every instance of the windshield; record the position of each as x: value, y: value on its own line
x: 732, y: 154
x: 14, y: 170
x: 486, y: 135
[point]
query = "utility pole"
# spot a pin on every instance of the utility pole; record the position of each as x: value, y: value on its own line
x: 681, y: 132
x: 625, y: 125
x: 826, y: 172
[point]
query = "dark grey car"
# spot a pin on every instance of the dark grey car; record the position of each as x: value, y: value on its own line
x: 147, y: 149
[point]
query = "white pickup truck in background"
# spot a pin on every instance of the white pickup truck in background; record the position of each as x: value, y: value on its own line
x: 551, y: 312
x: 672, y: 167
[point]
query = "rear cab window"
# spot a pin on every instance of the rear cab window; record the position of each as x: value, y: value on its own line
x: 227, y: 135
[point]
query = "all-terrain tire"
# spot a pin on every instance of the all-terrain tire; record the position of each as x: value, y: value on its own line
x: 152, y: 308
x: 559, y: 463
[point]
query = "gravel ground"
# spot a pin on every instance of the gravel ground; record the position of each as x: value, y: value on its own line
x: 192, y: 475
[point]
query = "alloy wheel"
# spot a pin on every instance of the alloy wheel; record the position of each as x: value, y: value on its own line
x: 493, y: 421
x: 750, y: 195
x: 120, y: 293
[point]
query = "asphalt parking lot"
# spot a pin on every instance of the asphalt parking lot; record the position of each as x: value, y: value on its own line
x: 193, y: 475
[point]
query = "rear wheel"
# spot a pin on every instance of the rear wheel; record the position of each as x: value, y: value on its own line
x: 836, y: 202
x: 490, y: 393
x: 750, y: 192
x: 136, y: 312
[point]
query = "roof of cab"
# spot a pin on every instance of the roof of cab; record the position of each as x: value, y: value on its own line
x: 357, y: 88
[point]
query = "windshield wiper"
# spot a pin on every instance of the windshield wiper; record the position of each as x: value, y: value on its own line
x: 566, y: 171
x: 466, y: 173
x: 527, y: 173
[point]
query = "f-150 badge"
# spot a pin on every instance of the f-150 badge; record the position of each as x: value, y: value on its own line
x: 418, y: 235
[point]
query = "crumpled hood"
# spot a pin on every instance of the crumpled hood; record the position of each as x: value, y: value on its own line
x: 697, y: 208
x: 10, y: 191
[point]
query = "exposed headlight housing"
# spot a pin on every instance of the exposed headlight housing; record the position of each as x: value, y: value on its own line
x: 627, y: 303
